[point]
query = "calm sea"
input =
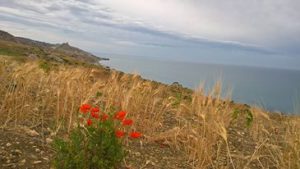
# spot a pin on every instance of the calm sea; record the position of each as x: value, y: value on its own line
x: 272, y: 89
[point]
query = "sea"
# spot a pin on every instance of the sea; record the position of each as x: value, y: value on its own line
x: 270, y: 88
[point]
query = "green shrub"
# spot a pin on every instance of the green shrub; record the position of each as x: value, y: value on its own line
x: 247, y: 114
x: 96, y: 142
x: 44, y: 65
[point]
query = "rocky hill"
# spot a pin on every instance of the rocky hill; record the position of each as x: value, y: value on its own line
x: 20, y: 46
x: 6, y: 36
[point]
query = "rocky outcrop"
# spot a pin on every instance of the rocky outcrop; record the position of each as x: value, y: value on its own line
x: 6, y: 36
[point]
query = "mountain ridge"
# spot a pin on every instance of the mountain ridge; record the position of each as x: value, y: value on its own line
x: 48, y: 50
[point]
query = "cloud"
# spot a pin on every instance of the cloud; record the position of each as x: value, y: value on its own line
x: 266, y: 27
x: 257, y: 23
x: 248, y: 23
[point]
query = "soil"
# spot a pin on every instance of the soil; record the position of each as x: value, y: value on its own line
x: 25, y: 148
x: 21, y: 151
x: 29, y: 148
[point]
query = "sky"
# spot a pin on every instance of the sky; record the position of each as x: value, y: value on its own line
x: 239, y: 32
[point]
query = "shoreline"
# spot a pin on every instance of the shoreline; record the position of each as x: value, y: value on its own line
x: 208, y: 88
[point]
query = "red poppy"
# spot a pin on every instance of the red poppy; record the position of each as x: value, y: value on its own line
x: 95, y: 115
x: 127, y: 122
x: 95, y: 110
x: 85, y: 108
x: 89, y: 122
x: 135, y: 134
x: 104, y: 117
x: 120, y: 115
x: 119, y: 133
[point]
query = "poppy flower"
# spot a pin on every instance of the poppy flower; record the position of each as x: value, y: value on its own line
x: 89, y: 122
x: 127, y: 122
x: 135, y: 134
x: 119, y: 133
x: 95, y: 110
x: 120, y: 115
x: 85, y: 108
x: 95, y: 115
x: 104, y: 117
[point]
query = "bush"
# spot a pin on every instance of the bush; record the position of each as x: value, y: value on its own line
x: 96, y: 142
x: 44, y: 65
x: 246, y: 112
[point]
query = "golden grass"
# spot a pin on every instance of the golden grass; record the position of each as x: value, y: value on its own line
x: 208, y: 117
x: 278, y: 137
x: 197, y: 124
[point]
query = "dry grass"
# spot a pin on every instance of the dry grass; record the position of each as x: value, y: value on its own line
x: 278, y: 138
x: 200, y: 125
x: 204, y: 122
x: 29, y: 95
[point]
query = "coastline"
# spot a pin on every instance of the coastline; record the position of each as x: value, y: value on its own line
x: 271, y: 89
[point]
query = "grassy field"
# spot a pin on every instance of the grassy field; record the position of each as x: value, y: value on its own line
x: 200, y: 131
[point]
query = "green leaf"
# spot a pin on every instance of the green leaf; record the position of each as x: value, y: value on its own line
x: 235, y: 113
x: 249, y: 118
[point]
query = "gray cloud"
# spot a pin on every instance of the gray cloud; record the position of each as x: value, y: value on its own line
x: 268, y: 23
x: 266, y: 27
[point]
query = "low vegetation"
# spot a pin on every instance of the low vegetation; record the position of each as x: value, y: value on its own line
x: 96, y: 141
x: 200, y: 130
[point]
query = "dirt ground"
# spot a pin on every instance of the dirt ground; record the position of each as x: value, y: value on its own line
x: 22, y: 151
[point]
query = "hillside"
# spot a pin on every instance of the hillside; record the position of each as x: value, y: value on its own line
x: 17, y: 46
x: 41, y: 90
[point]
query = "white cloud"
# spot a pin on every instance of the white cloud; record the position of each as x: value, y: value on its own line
x: 266, y: 23
x: 247, y: 21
